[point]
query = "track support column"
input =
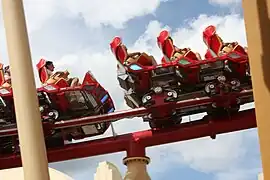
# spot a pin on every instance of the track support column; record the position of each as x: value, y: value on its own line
x: 32, y: 146
x: 136, y: 163
x: 256, y: 14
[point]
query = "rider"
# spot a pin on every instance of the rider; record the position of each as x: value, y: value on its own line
x: 71, y: 81
x: 131, y: 57
x: 216, y: 44
x: 165, y: 43
x: 7, y: 77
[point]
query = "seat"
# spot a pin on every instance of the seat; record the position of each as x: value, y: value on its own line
x: 146, y: 60
x: 240, y: 49
x: 169, y: 51
x: 186, y: 52
x: 56, y: 79
x: 212, y: 41
x: 122, y: 56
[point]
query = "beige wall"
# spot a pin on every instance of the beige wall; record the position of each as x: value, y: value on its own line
x: 17, y: 174
x: 107, y: 171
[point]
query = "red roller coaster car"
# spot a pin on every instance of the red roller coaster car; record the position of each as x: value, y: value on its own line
x: 155, y: 86
x: 233, y: 65
x: 59, y: 102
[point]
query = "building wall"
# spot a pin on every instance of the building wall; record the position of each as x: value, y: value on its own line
x: 17, y: 173
x: 107, y: 171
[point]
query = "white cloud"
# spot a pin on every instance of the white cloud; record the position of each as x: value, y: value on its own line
x: 205, y: 155
x: 218, y: 156
x: 224, y: 2
x: 95, y: 13
x: 114, y: 13
x: 239, y: 174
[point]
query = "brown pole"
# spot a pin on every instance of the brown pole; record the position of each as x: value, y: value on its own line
x: 32, y: 146
x: 256, y: 14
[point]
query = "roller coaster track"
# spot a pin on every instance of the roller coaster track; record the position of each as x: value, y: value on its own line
x: 207, y: 126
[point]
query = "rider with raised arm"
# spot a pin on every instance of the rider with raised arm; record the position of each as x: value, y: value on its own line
x: 216, y: 46
x: 50, y: 71
x: 170, y: 51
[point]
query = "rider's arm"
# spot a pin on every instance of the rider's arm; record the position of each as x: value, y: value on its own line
x: 176, y: 48
x: 134, y: 54
x: 230, y: 43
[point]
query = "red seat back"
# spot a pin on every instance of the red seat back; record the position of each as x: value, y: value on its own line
x: 165, y: 43
x: 212, y: 40
x: 42, y: 72
x: 208, y: 54
x: 239, y: 49
x: 119, y: 50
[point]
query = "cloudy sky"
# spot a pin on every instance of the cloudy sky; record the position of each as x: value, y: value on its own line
x: 76, y: 35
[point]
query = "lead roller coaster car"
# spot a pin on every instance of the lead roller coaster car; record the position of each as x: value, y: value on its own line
x: 58, y: 102
x: 155, y: 86
x: 217, y: 48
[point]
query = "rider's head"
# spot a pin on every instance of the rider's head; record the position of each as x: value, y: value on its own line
x: 7, y: 69
x: 49, y: 65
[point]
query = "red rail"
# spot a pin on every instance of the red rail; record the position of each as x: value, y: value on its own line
x: 186, y: 131
x: 138, y: 112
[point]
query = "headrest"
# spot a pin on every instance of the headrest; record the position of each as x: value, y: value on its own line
x: 209, y: 31
x: 163, y: 36
x: 115, y: 43
x: 41, y: 63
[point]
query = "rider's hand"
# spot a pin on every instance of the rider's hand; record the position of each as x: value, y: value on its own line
x: 137, y: 54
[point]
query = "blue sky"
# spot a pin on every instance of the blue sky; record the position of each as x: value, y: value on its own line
x: 76, y: 36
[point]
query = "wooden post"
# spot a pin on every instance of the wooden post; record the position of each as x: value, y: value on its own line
x: 256, y: 15
x: 32, y: 146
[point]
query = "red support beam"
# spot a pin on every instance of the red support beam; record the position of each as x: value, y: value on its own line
x: 139, y: 140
